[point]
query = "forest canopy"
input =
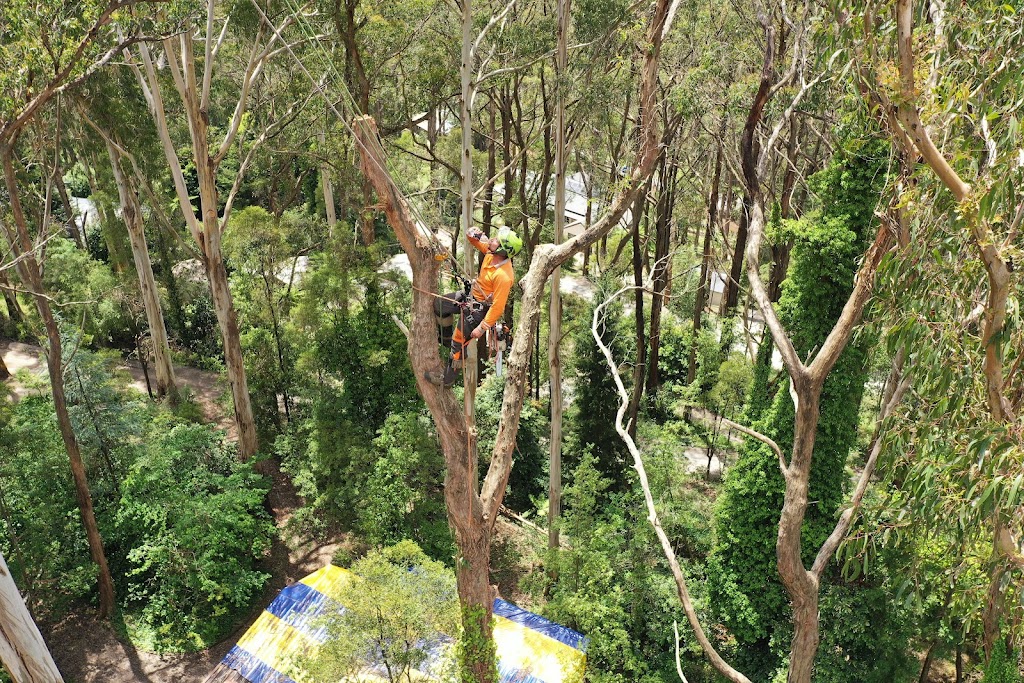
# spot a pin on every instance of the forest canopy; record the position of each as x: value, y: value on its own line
x: 750, y: 412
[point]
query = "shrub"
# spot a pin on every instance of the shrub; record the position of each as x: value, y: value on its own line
x: 191, y: 515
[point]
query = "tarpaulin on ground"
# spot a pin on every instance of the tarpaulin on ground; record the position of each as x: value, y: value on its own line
x: 530, y: 648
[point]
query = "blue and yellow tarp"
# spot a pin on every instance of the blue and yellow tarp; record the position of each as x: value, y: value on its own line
x: 530, y: 648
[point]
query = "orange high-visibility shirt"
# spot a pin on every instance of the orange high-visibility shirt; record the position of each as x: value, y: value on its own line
x: 493, y: 283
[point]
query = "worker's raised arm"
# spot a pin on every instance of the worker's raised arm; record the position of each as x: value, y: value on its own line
x: 478, y: 239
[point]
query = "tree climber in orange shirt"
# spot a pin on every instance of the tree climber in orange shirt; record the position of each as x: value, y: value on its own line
x: 480, y: 312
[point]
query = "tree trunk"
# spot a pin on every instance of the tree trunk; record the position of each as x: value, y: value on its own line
x: 131, y: 213
x: 800, y: 584
x: 705, y: 264
x: 328, y: 187
x: 781, y: 251
x: 206, y: 230
x: 72, y: 224
x: 21, y: 246
x: 22, y: 649
x: 732, y: 286
x: 639, y: 208
x: 14, y: 312
x: 4, y: 371
x: 492, y: 167
x: 662, y: 267
x: 469, y: 363
x: 555, y: 310
x: 234, y: 363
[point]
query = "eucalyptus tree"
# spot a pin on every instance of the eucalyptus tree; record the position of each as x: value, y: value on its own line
x: 112, y: 118
x: 236, y: 38
x: 49, y: 48
x: 472, y: 509
x: 23, y: 651
x: 945, y: 78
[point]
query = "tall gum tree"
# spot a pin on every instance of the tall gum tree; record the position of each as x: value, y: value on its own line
x: 472, y: 507
x: 23, y: 651
x: 194, y: 88
x: 131, y: 213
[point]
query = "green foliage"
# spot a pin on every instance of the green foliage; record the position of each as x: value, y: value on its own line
x: 853, y: 617
x: 612, y: 584
x: 89, y: 290
x: 674, y: 351
x: 192, y: 523
x: 591, y: 422
x: 730, y: 391
x: 357, y: 446
x: 397, y: 609
x: 746, y: 593
x: 529, y: 477
x: 40, y: 530
x: 402, y: 496
x: 475, y: 647
x: 1002, y: 666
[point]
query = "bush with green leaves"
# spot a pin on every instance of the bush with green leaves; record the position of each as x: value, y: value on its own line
x: 352, y: 375
x: 402, y: 495
x: 590, y: 423
x: 398, y: 610
x: 528, y: 480
x: 41, y: 531
x: 612, y: 582
x: 1003, y: 666
x: 192, y: 525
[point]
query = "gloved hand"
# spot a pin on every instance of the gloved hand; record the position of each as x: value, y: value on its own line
x: 476, y: 233
x: 478, y: 332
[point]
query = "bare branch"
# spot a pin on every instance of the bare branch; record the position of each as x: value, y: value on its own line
x: 652, y: 513
x: 828, y: 548
x: 708, y: 416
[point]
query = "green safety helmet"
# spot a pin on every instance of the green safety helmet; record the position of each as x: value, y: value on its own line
x: 510, y: 242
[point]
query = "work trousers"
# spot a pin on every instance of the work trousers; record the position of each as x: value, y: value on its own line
x: 471, y: 315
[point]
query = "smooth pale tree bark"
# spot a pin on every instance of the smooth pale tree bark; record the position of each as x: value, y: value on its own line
x: 22, y: 248
x: 555, y: 309
x: 466, y: 74
x: 194, y: 90
x: 472, y: 508
x: 328, y: 186
x: 131, y: 213
x: 22, y: 649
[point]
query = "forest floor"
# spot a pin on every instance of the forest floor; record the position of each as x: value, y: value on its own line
x: 90, y: 650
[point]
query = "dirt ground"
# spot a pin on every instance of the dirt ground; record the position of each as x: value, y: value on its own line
x: 88, y: 650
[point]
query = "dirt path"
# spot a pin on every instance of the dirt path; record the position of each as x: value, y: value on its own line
x: 88, y: 650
